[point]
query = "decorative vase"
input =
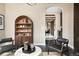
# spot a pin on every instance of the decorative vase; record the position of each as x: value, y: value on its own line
x: 25, y: 45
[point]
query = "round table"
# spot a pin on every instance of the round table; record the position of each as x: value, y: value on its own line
x: 37, y: 52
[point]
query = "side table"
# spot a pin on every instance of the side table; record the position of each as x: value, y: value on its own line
x: 37, y: 52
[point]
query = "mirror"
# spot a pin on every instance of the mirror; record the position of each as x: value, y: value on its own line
x: 53, y: 22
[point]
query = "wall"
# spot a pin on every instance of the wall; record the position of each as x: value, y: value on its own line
x: 57, y: 25
x: 2, y: 11
x: 37, y: 14
x: 67, y: 19
x: 68, y: 28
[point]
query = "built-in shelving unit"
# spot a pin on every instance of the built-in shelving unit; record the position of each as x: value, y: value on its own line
x: 23, y: 30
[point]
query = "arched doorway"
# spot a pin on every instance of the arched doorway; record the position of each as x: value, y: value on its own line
x: 53, y: 22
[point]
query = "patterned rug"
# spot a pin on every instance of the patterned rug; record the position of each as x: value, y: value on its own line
x: 10, y: 53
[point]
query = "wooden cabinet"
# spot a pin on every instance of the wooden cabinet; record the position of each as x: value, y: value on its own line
x: 23, y: 30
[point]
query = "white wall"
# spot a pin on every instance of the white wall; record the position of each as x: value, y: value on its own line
x: 37, y: 14
x: 57, y: 25
x: 2, y: 12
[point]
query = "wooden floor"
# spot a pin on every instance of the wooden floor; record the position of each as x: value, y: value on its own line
x: 44, y: 49
x: 45, y: 52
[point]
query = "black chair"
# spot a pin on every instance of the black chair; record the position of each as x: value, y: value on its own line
x: 60, y: 45
x: 6, y: 44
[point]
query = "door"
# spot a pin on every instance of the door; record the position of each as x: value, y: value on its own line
x: 76, y: 27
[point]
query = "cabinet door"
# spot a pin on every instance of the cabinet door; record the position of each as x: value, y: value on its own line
x: 24, y: 39
x: 30, y: 39
x: 18, y: 40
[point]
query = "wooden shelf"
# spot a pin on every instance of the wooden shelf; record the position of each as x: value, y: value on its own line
x: 22, y: 28
x: 23, y: 24
x: 22, y: 32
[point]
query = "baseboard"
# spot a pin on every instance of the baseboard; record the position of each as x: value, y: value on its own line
x: 71, y: 47
x: 39, y: 44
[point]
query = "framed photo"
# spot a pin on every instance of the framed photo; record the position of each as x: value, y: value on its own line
x: 1, y: 22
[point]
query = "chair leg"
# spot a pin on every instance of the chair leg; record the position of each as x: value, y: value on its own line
x: 48, y: 50
x: 62, y: 49
x: 61, y: 53
x: 67, y: 50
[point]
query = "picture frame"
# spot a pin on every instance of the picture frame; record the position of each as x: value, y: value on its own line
x: 1, y: 22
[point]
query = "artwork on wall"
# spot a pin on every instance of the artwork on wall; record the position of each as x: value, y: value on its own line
x: 1, y: 22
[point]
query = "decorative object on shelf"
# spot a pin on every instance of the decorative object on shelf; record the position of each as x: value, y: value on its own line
x: 25, y: 45
x: 28, y: 47
x: 1, y: 22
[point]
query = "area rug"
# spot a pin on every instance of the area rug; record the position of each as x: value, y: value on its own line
x: 10, y: 53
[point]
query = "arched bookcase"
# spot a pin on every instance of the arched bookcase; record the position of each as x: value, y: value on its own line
x: 23, y: 30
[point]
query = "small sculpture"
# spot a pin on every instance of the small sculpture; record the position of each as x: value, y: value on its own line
x: 28, y: 47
